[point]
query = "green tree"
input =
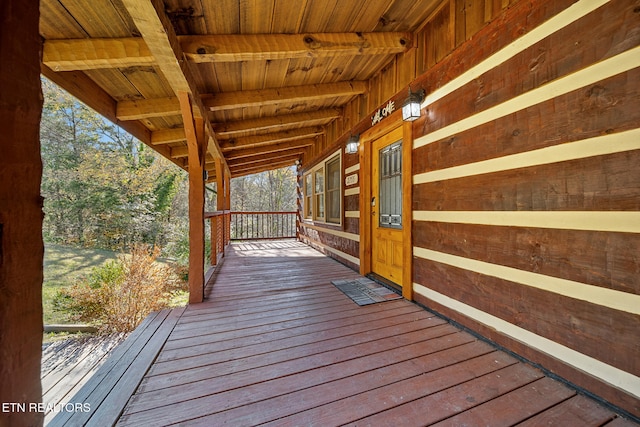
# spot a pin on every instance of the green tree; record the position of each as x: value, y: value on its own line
x: 102, y: 187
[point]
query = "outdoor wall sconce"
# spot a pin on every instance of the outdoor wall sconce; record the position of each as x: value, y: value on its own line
x: 352, y: 144
x: 411, y: 107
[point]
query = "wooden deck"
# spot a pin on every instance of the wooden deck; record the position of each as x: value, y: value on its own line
x: 277, y: 344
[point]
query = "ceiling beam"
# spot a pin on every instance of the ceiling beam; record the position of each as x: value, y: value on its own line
x: 253, y: 169
x: 145, y: 108
x: 89, y: 54
x: 272, y: 148
x: 271, y: 138
x: 92, y: 54
x: 255, y: 98
x: 157, y: 31
x: 167, y: 136
x: 244, y: 127
x: 265, y: 47
x: 266, y: 160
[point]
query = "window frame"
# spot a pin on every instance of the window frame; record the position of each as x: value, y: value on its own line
x: 318, y: 196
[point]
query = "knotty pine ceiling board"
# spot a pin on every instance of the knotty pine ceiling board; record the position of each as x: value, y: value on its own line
x: 253, y: 75
x: 99, y: 19
x: 149, y: 81
x: 208, y: 81
x: 221, y: 16
x: 407, y: 15
x: 256, y: 16
x: 288, y: 19
x: 187, y: 16
x: 114, y: 83
x: 276, y: 72
x: 57, y: 23
x: 227, y: 77
x: 353, y: 15
x: 317, y: 15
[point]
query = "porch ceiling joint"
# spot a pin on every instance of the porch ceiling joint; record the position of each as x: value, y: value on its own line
x: 161, y: 40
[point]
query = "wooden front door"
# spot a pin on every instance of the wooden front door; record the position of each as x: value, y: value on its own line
x: 386, y: 206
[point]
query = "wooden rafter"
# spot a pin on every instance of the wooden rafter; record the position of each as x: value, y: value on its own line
x: 167, y: 136
x: 251, y: 169
x: 158, y: 33
x: 145, y: 108
x: 91, y: 54
x: 242, y: 127
x: 264, y: 47
x: 261, y: 97
x: 271, y: 148
x: 271, y: 138
x: 273, y: 157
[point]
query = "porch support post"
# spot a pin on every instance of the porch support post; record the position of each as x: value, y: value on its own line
x: 220, y: 202
x: 227, y: 204
x: 220, y: 199
x: 21, y: 246
x: 196, y: 144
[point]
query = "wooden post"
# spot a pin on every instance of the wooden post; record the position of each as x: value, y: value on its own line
x: 227, y: 204
x: 213, y: 221
x: 21, y: 246
x: 220, y: 198
x: 196, y: 144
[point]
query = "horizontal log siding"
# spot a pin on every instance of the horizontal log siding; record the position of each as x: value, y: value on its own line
x: 609, y: 107
x: 571, y: 151
x: 608, y: 331
x: 333, y: 246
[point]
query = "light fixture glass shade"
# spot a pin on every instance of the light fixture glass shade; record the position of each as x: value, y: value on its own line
x: 352, y: 144
x: 411, y: 107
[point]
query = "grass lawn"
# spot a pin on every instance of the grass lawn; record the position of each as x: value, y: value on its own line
x: 62, y: 266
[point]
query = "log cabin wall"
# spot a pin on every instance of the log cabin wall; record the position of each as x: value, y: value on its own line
x: 526, y: 172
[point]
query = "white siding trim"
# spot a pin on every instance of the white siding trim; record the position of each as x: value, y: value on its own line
x: 344, y: 234
x: 558, y: 22
x: 591, y: 147
x: 611, y: 221
x: 620, y: 63
x: 605, y: 297
x: 609, y: 374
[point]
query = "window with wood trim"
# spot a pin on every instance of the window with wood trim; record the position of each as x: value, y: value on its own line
x: 323, y: 191
x: 308, y: 191
x: 318, y: 193
x: 333, y: 174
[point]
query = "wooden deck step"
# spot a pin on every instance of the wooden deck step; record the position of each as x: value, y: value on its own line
x: 102, y: 398
x: 67, y: 365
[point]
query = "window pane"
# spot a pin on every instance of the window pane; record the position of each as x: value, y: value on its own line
x: 333, y: 190
x: 390, y: 186
x: 319, y: 181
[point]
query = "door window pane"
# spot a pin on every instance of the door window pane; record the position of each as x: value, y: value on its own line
x: 390, y: 186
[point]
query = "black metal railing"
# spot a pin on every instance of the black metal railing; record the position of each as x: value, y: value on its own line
x: 263, y: 225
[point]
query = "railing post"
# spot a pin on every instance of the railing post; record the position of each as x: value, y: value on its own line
x: 213, y: 224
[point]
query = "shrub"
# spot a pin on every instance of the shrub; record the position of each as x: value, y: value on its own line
x: 117, y: 296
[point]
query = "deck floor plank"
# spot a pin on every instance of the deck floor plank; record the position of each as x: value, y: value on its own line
x: 276, y: 343
x: 259, y: 384
x: 175, y: 348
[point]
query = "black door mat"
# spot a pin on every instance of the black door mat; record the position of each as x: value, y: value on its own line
x: 365, y: 291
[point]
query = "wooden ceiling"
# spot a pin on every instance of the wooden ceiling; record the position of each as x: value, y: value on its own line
x: 267, y: 76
